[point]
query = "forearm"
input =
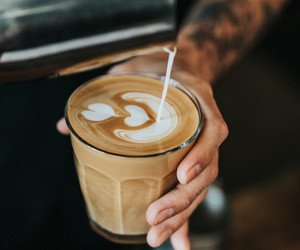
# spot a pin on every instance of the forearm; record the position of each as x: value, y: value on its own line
x: 218, y: 32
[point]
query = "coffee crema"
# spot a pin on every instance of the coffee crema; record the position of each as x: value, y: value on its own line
x: 117, y: 114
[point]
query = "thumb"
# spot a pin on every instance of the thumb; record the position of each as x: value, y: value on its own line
x: 62, y: 127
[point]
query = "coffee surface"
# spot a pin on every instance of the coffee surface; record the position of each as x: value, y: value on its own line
x: 118, y: 115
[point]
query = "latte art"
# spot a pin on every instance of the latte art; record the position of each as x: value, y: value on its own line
x: 118, y: 115
x: 153, y: 132
x: 98, y: 112
x: 137, y: 117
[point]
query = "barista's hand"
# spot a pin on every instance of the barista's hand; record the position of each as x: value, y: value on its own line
x: 168, y: 216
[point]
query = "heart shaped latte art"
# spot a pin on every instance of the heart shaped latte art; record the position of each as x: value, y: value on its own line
x: 138, y: 116
x: 98, y: 112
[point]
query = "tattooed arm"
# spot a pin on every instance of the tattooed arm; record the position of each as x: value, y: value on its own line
x: 212, y: 38
x: 218, y: 32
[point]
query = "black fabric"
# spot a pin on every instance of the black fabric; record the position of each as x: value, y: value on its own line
x: 183, y: 8
x: 41, y: 203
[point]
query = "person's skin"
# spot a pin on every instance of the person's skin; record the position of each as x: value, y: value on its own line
x: 212, y: 38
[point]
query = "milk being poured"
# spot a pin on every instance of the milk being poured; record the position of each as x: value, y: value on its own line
x: 166, y: 117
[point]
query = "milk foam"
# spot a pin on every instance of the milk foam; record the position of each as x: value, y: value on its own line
x: 157, y: 130
x: 98, y: 112
x: 118, y: 115
x: 137, y: 117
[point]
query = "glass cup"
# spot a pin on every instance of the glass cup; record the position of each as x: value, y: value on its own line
x: 118, y: 188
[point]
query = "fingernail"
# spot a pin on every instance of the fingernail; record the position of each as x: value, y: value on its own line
x: 193, y: 173
x: 163, y: 215
x: 164, y: 236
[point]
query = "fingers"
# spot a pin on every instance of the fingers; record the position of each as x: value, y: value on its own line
x: 203, y: 151
x: 183, y: 196
x: 180, y: 239
x: 213, y: 133
x: 62, y: 127
x: 162, y: 231
x: 170, y: 212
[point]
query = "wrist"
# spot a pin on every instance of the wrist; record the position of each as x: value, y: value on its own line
x: 194, y: 61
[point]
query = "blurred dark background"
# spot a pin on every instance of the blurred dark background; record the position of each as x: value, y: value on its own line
x: 260, y: 160
x: 259, y: 99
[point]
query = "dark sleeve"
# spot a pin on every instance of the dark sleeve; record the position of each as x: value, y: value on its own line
x: 183, y: 7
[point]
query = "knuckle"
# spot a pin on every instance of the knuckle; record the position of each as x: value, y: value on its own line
x: 182, y: 219
x: 202, y: 159
x: 221, y: 128
x: 187, y: 198
x: 173, y: 227
x: 201, y: 190
x: 214, y: 172
x: 225, y: 130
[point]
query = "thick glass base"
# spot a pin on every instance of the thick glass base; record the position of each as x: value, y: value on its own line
x: 118, y: 238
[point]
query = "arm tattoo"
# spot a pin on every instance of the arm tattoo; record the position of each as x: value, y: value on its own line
x: 225, y: 28
x: 212, y: 30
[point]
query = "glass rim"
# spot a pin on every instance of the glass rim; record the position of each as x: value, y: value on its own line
x: 172, y: 82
